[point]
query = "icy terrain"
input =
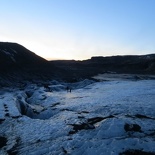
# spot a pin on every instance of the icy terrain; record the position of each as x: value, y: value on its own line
x: 96, y: 118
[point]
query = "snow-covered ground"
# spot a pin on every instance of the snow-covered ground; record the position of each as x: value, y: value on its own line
x: 96, y: 118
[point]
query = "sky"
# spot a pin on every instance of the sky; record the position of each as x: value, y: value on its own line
x: 79, y: 29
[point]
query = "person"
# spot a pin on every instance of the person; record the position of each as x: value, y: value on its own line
x: 70, y: 90
x: 67, y: 88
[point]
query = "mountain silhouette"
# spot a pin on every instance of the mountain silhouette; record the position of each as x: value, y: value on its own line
x: 15, y: 54
x: 18, y: 64
x: 144, y: 64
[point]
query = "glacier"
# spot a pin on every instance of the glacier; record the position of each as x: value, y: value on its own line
x: 89, y: 120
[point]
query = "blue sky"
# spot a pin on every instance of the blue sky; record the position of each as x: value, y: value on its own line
x: 79, y: 29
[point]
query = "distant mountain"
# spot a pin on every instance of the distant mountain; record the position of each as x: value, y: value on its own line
x: 15, y: 54
x: 129, y: 64
x: 144, y: 64
x: 18, y: 64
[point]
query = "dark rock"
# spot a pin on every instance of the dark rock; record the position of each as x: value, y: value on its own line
x: 15, y: 117
x: 98, y: 119
x: 7, y: 114
x: 55, y: 104
x: 29, y: 94
x: 72, y: 132
x: 132, y: 127
x: 1, y: 121
x: 14, y: 150
x: 83, y: 126
x: 66, y: 109
x: 86, y: 112
x: 143, y: 116
x: 89, y: 125
x: 136, y: 152
x: 23, y: 107
x: 81, y: 117
x: 152, y: 134
x: 6, y: 110
x: 35, y: 111
x: 5, y: 106
x: 3, y: 141
x: 64, y: 150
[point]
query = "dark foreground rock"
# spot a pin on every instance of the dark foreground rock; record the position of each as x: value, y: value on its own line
x: 3, y: 141
x: 136, y: 152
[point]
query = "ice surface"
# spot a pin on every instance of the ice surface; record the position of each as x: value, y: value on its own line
x: 89, y: 120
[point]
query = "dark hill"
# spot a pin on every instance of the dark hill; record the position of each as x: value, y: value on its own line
x: 144, y: 64
x: 15, y: 54
x: 18, y: 64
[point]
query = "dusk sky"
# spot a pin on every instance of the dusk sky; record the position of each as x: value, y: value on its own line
x: 79, y: 29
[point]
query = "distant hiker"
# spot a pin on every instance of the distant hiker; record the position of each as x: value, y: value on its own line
x: 67, y: 88
x: 47, y: 87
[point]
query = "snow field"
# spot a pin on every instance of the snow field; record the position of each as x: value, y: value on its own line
x: 90, y: 120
